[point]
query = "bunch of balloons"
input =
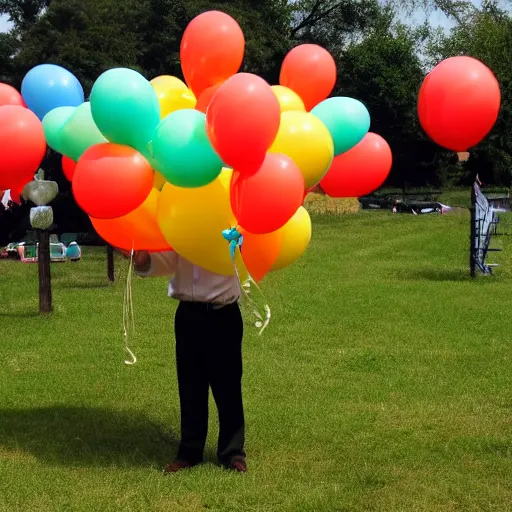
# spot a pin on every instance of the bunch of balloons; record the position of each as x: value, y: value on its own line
x: 459, y: 103
x: 163, y: 163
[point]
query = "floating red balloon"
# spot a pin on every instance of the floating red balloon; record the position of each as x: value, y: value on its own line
x: 360, y: 170
x: 10, y: 96
x: 310, y: 71
x: 266, y: 200
x: 111, y: 180
x: 68, y: 167
x: 459, y: 103
x: 212, y: 50
x: 22, y: 146
x: 242, y: 121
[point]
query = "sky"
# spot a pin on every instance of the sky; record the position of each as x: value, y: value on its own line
x: 4, y: 23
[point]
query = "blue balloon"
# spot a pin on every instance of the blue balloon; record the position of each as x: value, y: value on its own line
x: 48, y: 86
x: 347, y: 120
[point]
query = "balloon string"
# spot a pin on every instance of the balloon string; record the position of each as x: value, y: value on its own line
x: 262, y: 319
x: 128, y: 317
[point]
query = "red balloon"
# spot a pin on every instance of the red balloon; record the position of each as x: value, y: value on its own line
x: 266, y: 200
x: 310, y: 71
x: 16, y: 194
x: 242, y: 121
x: 360, y: 170
x: 68, y: 167
x: 111, y: 180
x: 22, y: 146
x: 206, y: 97
x: 10, y: 96
x: 212, y: 50
x: 459, y: 103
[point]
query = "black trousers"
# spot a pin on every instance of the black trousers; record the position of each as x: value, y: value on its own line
x: 209, y: 353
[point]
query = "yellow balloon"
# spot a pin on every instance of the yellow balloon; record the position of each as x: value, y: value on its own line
x: 172, y: 94
x: 192, y: 221
x: 158, y: 181
x: 288, y: 100
x: 307, y: 141
x: 296, y: 237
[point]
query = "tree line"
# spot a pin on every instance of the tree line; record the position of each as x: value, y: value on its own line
x: 382, y: 60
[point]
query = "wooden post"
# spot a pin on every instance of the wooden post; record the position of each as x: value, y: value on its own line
x: 110, y: 263
x: 43, y: 262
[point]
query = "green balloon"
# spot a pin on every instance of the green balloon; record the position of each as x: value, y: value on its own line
x: 182, y: 151
x: 125, y: 107
x: 347, y: 120
x: 80, y: 133
x: 53, y: 122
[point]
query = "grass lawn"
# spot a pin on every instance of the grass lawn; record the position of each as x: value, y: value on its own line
x: 384, y: 382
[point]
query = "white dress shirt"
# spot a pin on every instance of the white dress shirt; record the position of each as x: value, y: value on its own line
x: 191, y: 283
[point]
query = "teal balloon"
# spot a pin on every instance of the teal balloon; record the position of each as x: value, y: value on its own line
x: 347, y: 120
x: 80, y: 133
x: 182, y: 151
x: 125, y: 107
x: 53, y: 123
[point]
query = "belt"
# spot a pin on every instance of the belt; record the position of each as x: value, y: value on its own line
x: 205, y: 306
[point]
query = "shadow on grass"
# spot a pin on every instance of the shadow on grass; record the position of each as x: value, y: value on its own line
x: 84, y: 284
x: 81, y: 436
x: 456, y: 275
x: 434, y: 274
x: 19, y: 314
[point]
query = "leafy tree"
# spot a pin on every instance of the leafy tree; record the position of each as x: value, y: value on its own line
x: 23, y: 13
x: 487, y: 36
x: 384, y: 71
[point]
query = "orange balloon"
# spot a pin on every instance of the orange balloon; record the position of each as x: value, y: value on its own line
x: 266, y: 200
x: 137, y: 230
x: 111, y: 180
x: 242, y: 121
x: 10, y: 96
x: 206, y: 97
x: 310, y: 71
x: 68, y: 167
x: 212, y: 50
x: 260, y: 252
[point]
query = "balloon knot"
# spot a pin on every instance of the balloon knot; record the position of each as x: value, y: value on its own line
x: 235, y: 239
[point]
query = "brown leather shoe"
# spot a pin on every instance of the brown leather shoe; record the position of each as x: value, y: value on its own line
x: 178, y: 465
x: 237, y: 465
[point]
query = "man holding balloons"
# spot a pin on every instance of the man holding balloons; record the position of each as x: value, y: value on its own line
x: 165, y: 168
x: 208, y: 329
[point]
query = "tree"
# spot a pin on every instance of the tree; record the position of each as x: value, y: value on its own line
x: 23, y: 13
x: 85, y: 37
x: 8, y: 47
x: 487, y: 36
x: 384, y: 71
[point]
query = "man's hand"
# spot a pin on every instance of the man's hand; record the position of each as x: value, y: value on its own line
x: 140, y: 258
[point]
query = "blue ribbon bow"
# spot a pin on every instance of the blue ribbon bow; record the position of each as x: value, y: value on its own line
x: 235, y: 239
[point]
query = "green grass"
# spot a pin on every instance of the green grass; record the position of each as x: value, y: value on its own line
x: 382, y: 384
